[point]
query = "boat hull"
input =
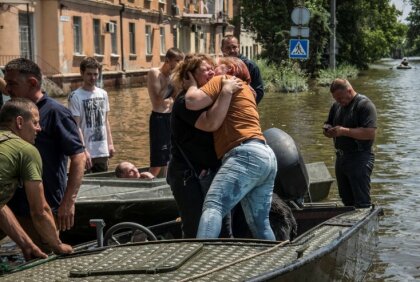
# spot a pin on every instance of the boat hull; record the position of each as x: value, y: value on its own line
x: 103, y: 196
x: 347, y: 259
x: 339, y: 248
x: 114, y: 201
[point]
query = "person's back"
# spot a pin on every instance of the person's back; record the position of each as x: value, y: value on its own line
x: 249, y: 165
x: 241, y: 122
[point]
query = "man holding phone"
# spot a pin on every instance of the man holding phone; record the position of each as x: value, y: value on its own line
x: 352, y: 125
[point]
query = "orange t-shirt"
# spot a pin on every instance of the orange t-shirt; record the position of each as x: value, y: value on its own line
x: 242, y: 121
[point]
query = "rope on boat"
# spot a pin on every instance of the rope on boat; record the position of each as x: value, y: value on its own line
x: 235, y: 262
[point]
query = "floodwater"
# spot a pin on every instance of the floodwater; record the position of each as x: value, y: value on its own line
x: 396, y: 174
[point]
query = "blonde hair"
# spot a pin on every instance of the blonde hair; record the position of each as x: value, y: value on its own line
x: 190, y: 64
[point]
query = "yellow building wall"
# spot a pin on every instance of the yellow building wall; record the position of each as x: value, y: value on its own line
x: 9, y: 34
x: 54, y: 41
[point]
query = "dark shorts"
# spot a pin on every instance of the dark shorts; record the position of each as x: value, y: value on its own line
x: 99, y: 165
x: 160, y: 139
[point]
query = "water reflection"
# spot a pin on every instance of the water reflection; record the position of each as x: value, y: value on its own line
x: 396, y: 174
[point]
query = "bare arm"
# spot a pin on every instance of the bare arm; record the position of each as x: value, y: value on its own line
x: 42, y: 217
x: 111, y: 148
x: 195, y: 99
x: 12, y: 228
x: 212, y: 119
x: 66, y: 210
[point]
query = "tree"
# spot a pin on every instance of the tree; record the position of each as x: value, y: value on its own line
x: 271, y: 21
x: 413, y: 33
x: 366, y: 30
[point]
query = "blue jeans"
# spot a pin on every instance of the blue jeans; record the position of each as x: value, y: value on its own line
x: 247, y: 176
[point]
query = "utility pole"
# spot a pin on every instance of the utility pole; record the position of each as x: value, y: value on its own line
x: 333, y: 23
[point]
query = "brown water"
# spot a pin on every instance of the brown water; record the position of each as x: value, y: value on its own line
x: 397, y: 168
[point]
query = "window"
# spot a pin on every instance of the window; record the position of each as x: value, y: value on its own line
x: 77, y: 35
x: 97, y: 40
x: 162, y: 41
x: 132, y: 35
x: 26, y: 36
x: 114, y: 43
x: 148, y: 40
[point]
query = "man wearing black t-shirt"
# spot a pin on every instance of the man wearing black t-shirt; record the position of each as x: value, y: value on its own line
x: 352, y: 125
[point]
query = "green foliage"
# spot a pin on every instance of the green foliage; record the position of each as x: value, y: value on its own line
x: 284, y: 77
x: 343, y: 71
x: 366, y: 30
x: 413, y: 33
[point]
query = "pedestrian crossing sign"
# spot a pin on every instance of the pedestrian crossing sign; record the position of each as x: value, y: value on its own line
x: 299, y: 49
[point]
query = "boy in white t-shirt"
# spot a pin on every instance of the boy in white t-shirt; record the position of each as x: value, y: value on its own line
x: 89, y: 106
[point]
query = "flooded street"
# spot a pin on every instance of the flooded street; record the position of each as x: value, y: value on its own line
x: 396, y: 174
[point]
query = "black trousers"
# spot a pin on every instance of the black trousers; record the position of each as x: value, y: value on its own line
x: 353, y: 171
x: 189, y: 196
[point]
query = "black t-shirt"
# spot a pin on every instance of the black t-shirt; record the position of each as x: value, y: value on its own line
x: 197, y: 145
x: 361, y: 112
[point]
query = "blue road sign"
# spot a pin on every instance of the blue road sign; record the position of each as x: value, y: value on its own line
x: 298, y: 48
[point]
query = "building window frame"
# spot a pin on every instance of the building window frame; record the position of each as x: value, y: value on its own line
x: 26, y: 46
x: 114, y: 39
x: 77, y: 35
x: 162, y: 34
x: 97, y: 37
x: 149, y: 40
x: 132, y: 36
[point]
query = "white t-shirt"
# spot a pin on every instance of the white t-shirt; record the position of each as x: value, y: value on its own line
x: 91, y: 108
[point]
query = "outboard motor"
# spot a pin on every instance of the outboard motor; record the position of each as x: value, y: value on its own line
x: 292, y: 180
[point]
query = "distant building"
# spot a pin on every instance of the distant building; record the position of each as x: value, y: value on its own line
x: 126, y: 36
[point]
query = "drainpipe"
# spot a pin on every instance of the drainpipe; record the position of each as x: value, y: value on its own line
x: 121, y: 36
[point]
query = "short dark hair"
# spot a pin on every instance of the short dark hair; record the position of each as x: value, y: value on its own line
x: 174, y: 53
x: 228, y: 37
x: 339, y: 84
x: 16, y: 107
x: 89, y: 63
x: 26, y: 67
